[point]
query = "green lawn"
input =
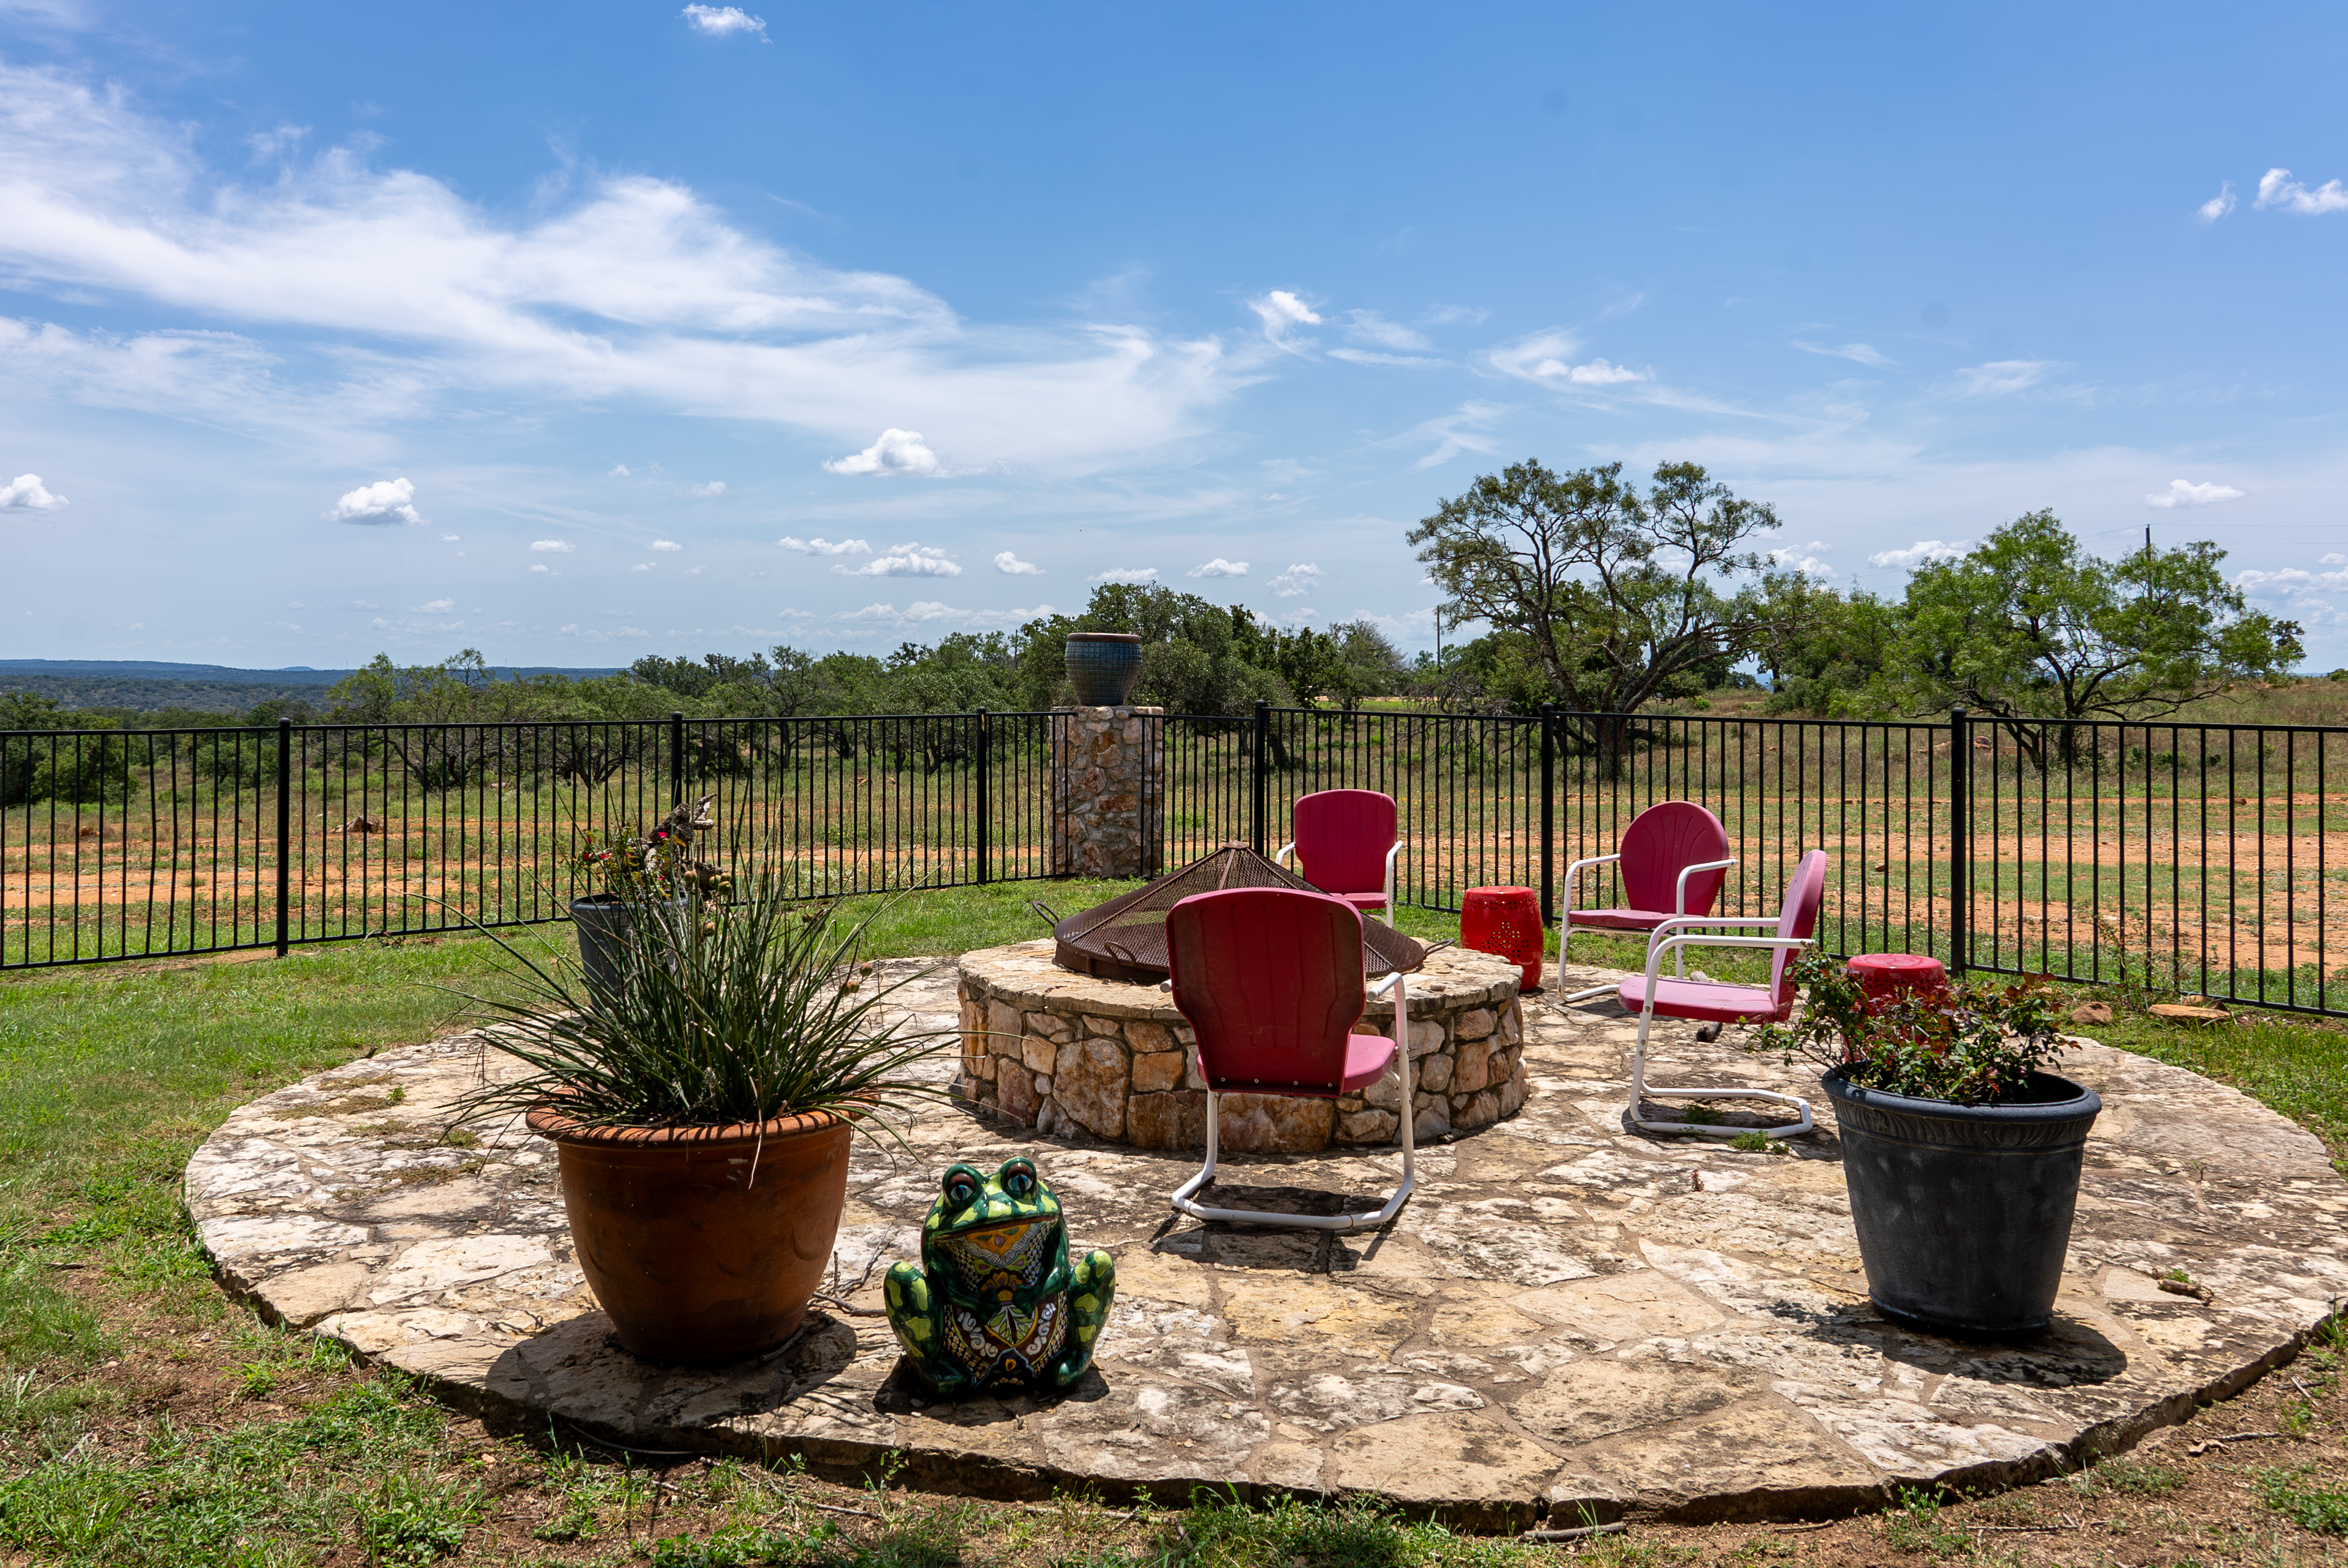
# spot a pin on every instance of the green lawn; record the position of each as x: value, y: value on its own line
x: 145, y: 1419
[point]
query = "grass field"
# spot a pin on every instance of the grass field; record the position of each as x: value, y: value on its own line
x: 146, y: 1420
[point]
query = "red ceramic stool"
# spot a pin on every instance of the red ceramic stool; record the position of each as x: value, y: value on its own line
x: 1504, y: 921
x: 1883, y: 974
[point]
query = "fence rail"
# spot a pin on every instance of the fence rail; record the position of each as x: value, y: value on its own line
x: 2196, y: 858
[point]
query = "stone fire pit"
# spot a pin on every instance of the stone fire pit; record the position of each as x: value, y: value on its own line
x: 1067, y: 1053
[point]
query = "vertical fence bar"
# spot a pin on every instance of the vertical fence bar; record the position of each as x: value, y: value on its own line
x: 676, y: 758
x: 1959, y: 848
x: 986, y: 817
x: 1548, y: 813
x: 1259, y: 814
x: 284, y: 823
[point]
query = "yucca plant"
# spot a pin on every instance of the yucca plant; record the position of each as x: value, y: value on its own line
x: 735, y: 1014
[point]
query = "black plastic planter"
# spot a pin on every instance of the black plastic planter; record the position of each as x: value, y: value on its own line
x: 1964, y: 1210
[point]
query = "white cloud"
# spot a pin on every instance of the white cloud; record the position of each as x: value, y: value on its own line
x: 1450, y: 437
x: 383, y: 501
x: 634, y: 288
x: 1921, y: 551
x: 618, y: 471
x: 2218, y: 206
x: 434, y: 608
x: 2335, y: 559
x: 1547, y: 357
x: 1281, y: 313
x: 451, y: 538
x: 1450, y: 314
x: 1861, y: 353
x: 1798, y: 558
x: 1371, y: 357
x: 552, y: 546
x: 2291, y: 577
x: 26, y: 493
x: 714, y: 488
x: 641, y: 566
x: 1298, y: 580
x: 666, y: 544
x: 1369, y: 326
x: 2000, y: 376
x: 2277, y: 189
x: 932, y: 614
x: 1011, y: 565
x: 542, y: 566
x: 907, y: 561
x: 896, y: 452
x: 1219, y: 567
x: 931, y: 610
x: 724, y: 21
x: 2183, y: 493
x: 1135, y: 574
x: 821, y: 546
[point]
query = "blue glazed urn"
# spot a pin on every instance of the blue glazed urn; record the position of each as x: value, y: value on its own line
x: 1103, y: 666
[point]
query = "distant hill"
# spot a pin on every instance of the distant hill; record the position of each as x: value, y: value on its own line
x: 145, y: 685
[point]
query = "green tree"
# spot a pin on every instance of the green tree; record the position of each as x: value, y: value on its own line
x: 1195, y: 657
x: 2029, y: 625
x: 1822, y: 650
x: 1616, y: 594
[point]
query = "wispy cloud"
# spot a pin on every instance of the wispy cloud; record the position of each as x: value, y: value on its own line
x: 2218, y: 206
x: 26, y: 493
x: 896, y: 452
x: 724, y: 22
x: 635, y: 289
x: 2000, y: 376
x: 2277, y: 189
x: 383, y: 501
x: 2184, y: 492
x: 1219, y: 567
x: 552, y: 546
x: 710, y: 490
x: 1861, y: 353
x: 1453, y: 434
x: 1547, y: 357
x: 906, y: 561
x: 434, y: 607
x: 1135, y: 574
x: 1282, y: 313
x: 1921, y: 551
x: 1298, y: 580
x: 821, y: 546
x: 1368, y: 326
x: 1010, y: 565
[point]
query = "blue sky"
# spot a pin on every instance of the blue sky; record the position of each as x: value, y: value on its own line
x: 578, y: 332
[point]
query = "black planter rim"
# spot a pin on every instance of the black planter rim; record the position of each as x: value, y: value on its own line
x: 2081, y: 1102
x: 1134, y: 637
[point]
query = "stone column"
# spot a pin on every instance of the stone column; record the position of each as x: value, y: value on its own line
x: 1108, y: 791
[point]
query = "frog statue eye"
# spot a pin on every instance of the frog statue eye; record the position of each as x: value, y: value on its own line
x: 961, y: 1186
x: 1018, y: 1177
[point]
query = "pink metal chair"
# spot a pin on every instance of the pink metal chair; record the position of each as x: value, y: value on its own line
x: 1270, y: 980
x: 1347, y: 840
x: 1653, y: 996
x: 1673, y: 857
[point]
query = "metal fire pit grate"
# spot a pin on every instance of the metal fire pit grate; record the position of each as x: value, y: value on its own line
x: 1124, y: 939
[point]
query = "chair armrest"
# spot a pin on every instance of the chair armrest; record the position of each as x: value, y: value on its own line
x: 1391, y: 851
x: 1565, y: 907
x: 1283, y: 853
x: 1380, y: 987
x: 1679, y: 905
x: 1655, y: 954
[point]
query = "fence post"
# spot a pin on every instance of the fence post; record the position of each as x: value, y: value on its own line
x: 1548, y: 813
x: 984, y: 821
x: 284, y: 824
x: 1961, y: 785
x: 1259, y: 808
x: 677, y: 757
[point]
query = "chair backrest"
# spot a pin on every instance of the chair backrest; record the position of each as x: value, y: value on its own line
x: 1343, y: 837
x: 1663, y: 841
x: 1270, y: 980
x: 1805, y: 891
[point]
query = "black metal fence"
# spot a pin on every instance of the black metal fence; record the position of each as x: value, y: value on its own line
x: 2194, y: 857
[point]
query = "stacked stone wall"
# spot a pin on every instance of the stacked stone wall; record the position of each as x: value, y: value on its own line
x: 1072, y: 1055
x: 1108, y: 792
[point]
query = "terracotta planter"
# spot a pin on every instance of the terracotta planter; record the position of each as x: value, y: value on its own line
x: 702, y: 1243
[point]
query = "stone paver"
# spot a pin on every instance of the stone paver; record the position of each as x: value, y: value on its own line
x: 1565, y: 1317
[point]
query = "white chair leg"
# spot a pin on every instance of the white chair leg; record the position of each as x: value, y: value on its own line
x: 1565, y: 936
x: 1640, y: 1092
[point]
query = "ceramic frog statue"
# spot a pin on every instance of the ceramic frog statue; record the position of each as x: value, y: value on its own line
x: 994, y: 1303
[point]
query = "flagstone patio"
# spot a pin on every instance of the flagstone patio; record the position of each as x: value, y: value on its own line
x: 1568, y: 1321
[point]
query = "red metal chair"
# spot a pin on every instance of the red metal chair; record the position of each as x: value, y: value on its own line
x: 1270, y: 980
x: 1714, y: 1001
x: 1673, y: 857
x: 1347, y: 841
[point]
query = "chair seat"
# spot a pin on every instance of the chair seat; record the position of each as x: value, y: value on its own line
x: 1621, y: 919
x: 1367, y: 1057
x: 1708, y: 1000
x: 1373, y: 899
